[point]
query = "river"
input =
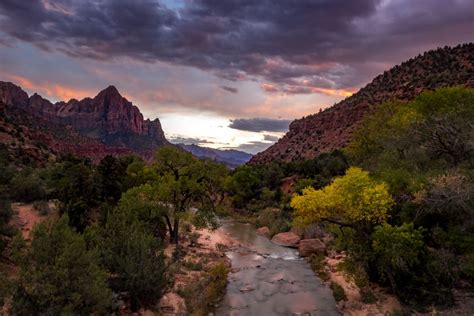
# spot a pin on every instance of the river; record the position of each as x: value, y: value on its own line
x: 267, y: 279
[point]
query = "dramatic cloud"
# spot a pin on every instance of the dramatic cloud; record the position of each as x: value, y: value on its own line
x: 188, y: 140
x: 229, y: 89
x: 270, y: 138
x: 260, y: 125
x: 303, y: 47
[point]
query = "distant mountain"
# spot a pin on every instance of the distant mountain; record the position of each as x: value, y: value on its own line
x: 332, y: 128
x: 91, y: 127
x: 231, y: 158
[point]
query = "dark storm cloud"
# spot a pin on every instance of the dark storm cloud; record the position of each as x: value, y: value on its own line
x: 296, y: 46
x: 260, y: 125
x: 229, y: 89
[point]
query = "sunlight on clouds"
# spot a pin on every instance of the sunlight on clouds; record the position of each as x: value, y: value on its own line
x: 212, y: 131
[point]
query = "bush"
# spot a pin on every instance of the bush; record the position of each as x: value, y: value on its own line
x: 58, y: 275
x: 42, y: 207
x: 135, y: 258
x: 191, y: 265
x: 27, y: 187
x: 317, y: 265
x: 201, y: 296
x: 338, y: 292
x: 274, y: 219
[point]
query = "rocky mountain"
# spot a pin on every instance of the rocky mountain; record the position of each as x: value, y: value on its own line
x: 332, y: 128
x: 231, y: 158
x: 92, y: 127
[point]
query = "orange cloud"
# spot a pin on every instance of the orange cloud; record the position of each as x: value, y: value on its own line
x: 56, y: 91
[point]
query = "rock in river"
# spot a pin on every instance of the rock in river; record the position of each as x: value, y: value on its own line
x: 287, y: 239
x: 307, y: 247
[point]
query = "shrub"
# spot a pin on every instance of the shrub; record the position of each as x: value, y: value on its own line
x: 58, y: 275
x: 201, y: 296
x: 338, y: 292
x: 42, y: 207
x: 134, y: 256
x: 192, y: 265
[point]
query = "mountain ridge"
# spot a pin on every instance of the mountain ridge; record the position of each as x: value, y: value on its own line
x: 108, y: 122
x: 230, y: 157
x: 331, y: 129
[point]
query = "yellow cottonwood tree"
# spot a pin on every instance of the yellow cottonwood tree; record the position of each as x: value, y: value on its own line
x: 348, y: 200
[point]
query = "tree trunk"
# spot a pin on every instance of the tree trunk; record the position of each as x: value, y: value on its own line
x: 170, y: 228
x: 175, y: 232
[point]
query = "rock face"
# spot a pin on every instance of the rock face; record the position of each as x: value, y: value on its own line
x: 307, y: 247
x: 107, y: 118
x: 287, y: 239
x: 263, y: 231
x: 331, y: 129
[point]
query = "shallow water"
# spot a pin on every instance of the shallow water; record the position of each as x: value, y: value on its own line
x: 268, y: 279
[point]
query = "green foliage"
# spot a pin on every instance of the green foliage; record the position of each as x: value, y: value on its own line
x: 131, y: 253
x: 274, y: 219
x: 58, y: 275
x: 6, y: 230
x: 397, y: 248
x: 353, y: 198
x: 192, y: 265
x: 142, y: 203
x: 27, y: 187
x: 184, y: 182
x: 42, y: 207
x: 201, y: 296
x: 338, y: 292
x: 74, y: 186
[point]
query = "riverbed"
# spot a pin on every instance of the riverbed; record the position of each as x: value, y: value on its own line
x: 268, y: 279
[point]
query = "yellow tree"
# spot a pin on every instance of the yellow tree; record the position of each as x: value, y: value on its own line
x: 351, y: 200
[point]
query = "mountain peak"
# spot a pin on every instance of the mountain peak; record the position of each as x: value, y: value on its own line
x: 110, y: 92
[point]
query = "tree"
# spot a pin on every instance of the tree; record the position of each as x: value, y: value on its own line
x: 351, y: 200
x: 132, y: 255
x: 58, y: 275
x: 244, y: 185
x: 143, y: 204
x: 5, y: 229
x: 397, y: 250
x: 75, y: 187
x: 184, y: 182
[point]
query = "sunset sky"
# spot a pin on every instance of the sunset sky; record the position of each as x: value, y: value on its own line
x: 222, y: 73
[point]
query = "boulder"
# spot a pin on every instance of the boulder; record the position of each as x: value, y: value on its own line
x: 264, y: 231
x: 307, y: 247
x: 287, y: 239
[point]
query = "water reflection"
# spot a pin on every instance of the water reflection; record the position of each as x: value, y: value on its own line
x: 268, y: 279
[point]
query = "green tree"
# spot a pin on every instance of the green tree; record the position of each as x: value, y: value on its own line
x: 6, y: 230
x: 244, y: 185
x: 58, y: 275
x: 74, y: 185
x: 132, y: 255
x: 184, y: 182
x: 397, y: 250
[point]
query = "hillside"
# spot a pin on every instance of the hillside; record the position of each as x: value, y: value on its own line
x: 332, y: 128
x: 231, y: 158
x: 91, y: 127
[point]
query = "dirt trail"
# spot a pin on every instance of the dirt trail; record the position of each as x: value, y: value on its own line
x: 25, y: 218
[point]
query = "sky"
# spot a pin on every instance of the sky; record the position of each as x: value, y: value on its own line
x: 220, y: 73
